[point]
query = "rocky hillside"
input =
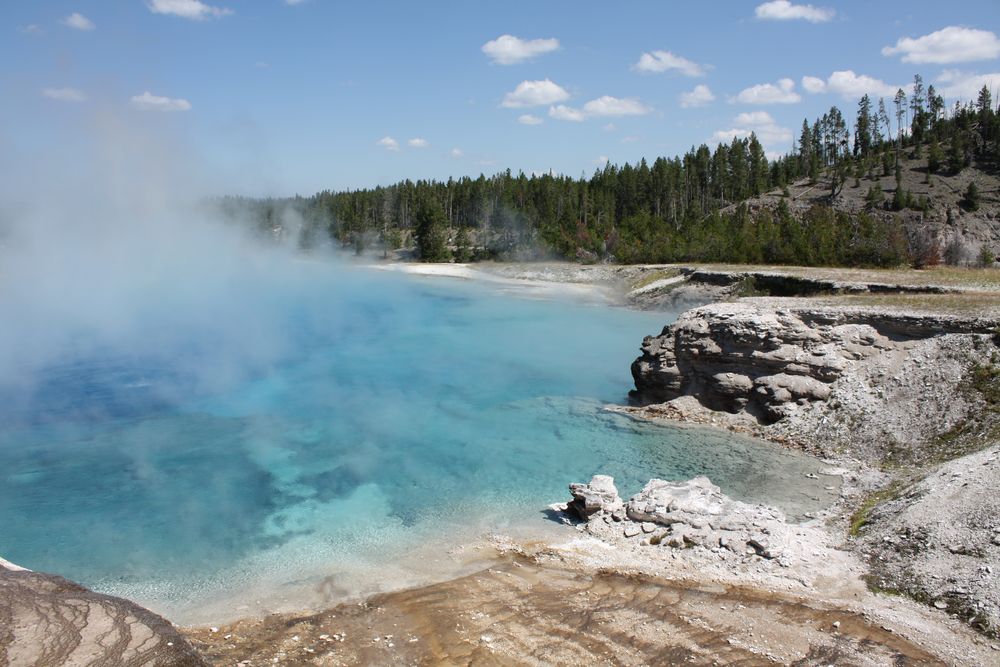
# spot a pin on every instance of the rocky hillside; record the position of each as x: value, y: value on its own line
x: 908, y: 395
x: 939, y: 539
x: 944, y: 227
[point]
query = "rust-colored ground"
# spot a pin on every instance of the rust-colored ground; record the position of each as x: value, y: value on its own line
x: 523, y: 613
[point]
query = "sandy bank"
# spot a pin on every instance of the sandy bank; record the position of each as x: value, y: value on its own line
x: 598, y: 291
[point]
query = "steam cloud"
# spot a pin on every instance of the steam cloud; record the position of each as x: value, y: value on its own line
x: 107, y: 248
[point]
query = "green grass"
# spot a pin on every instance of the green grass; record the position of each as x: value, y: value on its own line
x: 980, y: 304
x: 946, y: 276
x: 862, y: 515
x: 747, y: 287
x: 653, y: 276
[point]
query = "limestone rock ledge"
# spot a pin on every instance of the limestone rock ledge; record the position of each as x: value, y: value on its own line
x: 692, y: 513
x: 835, y: 375
x: 48, y: 620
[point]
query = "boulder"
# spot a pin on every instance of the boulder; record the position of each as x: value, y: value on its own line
x: 600, y: 495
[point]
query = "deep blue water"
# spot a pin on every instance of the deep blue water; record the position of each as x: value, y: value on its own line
x: 325, y: 419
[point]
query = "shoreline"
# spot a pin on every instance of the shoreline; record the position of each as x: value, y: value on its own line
x: 827, y: 605
x: 525, y: 287
x: 834, y: 581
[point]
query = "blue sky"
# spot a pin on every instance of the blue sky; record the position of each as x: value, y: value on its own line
x: 278, y: 97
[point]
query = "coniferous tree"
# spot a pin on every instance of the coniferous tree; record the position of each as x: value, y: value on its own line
x: 463, y: 248
x: 935, y: 106
x: 934, y: 156
x: 900, y: 102
x: 758, y: 166
x: 970, y: 200
x: 431, y: 230
x: 864, y: 128
x: 918, y: 124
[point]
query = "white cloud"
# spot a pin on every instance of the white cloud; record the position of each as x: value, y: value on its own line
x: 603, y: 106
x: 771, y: 135
x: 783, y: 92
x: 187, y: 9
x: 150, y: 102
x: 388, y: 143
x: 535, y: 94
x: 813, y: 84
x: 510, y: 50
x: 754, y: 118
x: 662, y: 61
x: 783, y: 10
x: 31, y: 29
x: 955, y: 84
x: 630, y: 139
x: 563, y: 112
x: 78, y: 21
x: 849, y: 85
x: 610, y: 127
x: 64, y: 94
x: 699, y: 97
x: 601, y: 160
x: 456, y: 153
x: 294, y: 2
x: 948, y: 45
x: 418, y: 142
x: 529, y: 119
x: 606, y: 105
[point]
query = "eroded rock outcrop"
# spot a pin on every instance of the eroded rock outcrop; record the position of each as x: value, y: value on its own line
x: 769, y: 360
x: 691, y: 513
x: 48, y: 620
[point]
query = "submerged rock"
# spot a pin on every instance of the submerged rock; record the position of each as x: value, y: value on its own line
x: 48, y: 620
x: 600, y: 495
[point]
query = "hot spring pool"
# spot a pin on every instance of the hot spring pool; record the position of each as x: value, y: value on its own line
x: 329, y: 432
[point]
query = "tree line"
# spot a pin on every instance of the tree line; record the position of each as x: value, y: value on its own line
x: 686, y: 208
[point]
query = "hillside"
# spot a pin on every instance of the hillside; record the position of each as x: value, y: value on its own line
x: 884, y: 194
x: 959, y: 235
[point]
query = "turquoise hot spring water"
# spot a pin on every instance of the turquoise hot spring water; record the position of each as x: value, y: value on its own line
x: 294, y: 439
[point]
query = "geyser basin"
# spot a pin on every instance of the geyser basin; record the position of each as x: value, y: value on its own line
x: 291, y: 440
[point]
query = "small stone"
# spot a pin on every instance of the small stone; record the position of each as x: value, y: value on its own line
x: 836, y: 625
x: 648, y: 527
x: 631, y: 530
x: 213, y: 629
x: 940, y: 604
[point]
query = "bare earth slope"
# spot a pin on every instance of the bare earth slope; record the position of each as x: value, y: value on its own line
x: 46, y: 620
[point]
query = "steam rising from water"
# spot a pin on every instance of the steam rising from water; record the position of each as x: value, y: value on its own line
x: 186, y: 412
x: 107, y: 247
